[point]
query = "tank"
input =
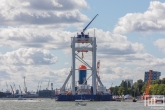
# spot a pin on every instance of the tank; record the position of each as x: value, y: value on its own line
x: 82, y: 74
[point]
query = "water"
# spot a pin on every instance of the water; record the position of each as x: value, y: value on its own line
x: 51, y: 104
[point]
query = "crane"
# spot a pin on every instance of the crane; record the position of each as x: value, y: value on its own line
x: 20, y: 89
x: 48, y: 85
x: 7, y: 86
x: 38, y: 86
x: 82, y: 33
x: 25, y: 88
x: 146, y: 93
x: 98, y: 68
x: 12, y: 89
x: 14, y: 86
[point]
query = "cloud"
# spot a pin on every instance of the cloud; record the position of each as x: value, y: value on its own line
x: 115, y: 44
x: 57, y: 5
x: 160, y: 43
x: 34, y: 74
x: 37, y: 38
x: 30, y: 56
x: 153, y: 20
x: 30, y: 12
x: 107, y: 42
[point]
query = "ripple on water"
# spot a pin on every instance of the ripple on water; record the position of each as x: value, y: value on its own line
x: 50, y: 104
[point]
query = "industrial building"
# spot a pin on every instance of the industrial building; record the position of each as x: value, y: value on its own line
x: 155, y: 75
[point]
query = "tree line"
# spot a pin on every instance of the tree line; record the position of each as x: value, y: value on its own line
x: 157, y: 87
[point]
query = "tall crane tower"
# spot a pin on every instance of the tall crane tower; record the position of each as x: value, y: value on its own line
x: 81, y: 39
x: 25, y: 88
x: 7, y: 87
x: 98, y: 70
x: 12, y: 90
x: 48, y: 85
x: 20, y: 89
x: 146, y: 93
x: 14, y: 86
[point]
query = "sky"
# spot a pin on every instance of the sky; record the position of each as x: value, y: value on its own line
x: 36, y: 37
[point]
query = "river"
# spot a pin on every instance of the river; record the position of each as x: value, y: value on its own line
x: 51, y: 104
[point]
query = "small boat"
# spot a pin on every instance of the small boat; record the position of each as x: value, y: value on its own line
x: 134, y: 100
x: 80, y: 103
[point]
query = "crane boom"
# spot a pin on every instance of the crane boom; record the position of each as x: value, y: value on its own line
x: 20, y: 89
x: 14, y: 86
x: 88, y: 25
x: 12, y: 89
x: 25, y: 88
x: 48, y: 84
x: 7, y: 86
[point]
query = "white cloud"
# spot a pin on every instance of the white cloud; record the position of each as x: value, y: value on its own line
x: 107, y: 42
x: 33, y: 75
x: 57, y: 5
x: 38, y: 38
x: 115, y: 44
x: 30, y: 12
x: 30, y: 56
x: 153, y: 20
x: 160, y: 43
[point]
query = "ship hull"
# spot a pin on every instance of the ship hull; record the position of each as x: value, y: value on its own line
x: 84, y: 97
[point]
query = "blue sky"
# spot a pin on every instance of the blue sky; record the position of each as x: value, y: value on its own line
x: 35, y: 39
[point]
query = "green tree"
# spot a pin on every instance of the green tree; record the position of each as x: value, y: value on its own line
x: 163, y: 81
x: 121, y: 91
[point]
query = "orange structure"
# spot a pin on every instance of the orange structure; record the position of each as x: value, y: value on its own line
x: 146, y: 93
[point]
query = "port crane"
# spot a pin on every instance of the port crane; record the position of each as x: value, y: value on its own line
x: 20, y: 89
x: 146, y: 93
x: 7, y: 87
x: 38, y: 86
x: 14, y: 86
x: 25, y: 88
x: 12, y: 89
x: 82, y: 33
x: 48, y: 85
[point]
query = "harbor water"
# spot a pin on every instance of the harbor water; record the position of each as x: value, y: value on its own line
x: 51, y: 104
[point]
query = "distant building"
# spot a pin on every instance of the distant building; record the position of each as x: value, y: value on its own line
x: 130, y: 81
x: 155, y: 75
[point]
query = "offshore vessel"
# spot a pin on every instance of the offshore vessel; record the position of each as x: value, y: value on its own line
x: 95, y: 92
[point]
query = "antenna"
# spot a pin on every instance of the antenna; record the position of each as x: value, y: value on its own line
x: 88, y: 25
